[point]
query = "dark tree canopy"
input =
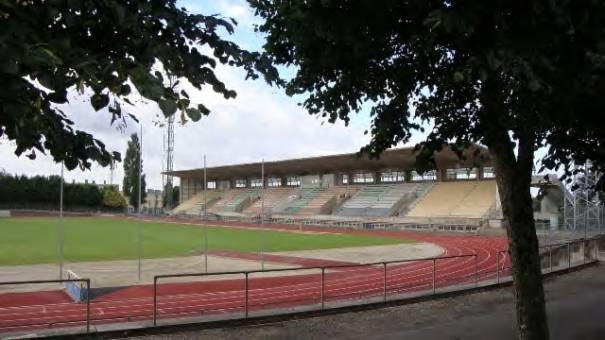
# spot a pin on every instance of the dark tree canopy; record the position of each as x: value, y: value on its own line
x: 101, y: 49
x: 40, y: 192
x: 544, y: 61
x: 512, y: 75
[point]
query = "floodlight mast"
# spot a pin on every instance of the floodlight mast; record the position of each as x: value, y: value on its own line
x: 61, y: 226
x: 205, y: 220
x: 169, y: 166
x: 168, y: 144
x: 583, y: 208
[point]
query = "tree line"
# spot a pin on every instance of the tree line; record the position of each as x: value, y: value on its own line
x: 43, y: 192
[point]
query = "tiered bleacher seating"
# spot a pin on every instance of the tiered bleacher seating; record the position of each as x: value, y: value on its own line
x: 187, y: 205
x: 478, y: 201
x: 456, y: 199
x: 326, y: 200
x: 226, y: 197
x: 195, y: 204
x: 363, y: 199
x: 272, y: 197
x: 294, y: 204
x: 381, y: 199
x: 396, y: 198
x: 241, y: 201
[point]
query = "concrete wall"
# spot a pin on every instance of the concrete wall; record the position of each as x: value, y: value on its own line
x: 223, y: 185
x: 310, y: 181
x: 328, y: 180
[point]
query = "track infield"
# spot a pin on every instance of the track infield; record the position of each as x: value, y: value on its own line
x: 35, y: 240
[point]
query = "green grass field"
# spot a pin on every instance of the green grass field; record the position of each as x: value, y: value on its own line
x: 35, y: 240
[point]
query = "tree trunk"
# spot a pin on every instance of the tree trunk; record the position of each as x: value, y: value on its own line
x: 513, y: 175
x: 514, y: 182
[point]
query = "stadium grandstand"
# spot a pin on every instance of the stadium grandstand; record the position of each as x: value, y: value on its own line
x: 347, y: 187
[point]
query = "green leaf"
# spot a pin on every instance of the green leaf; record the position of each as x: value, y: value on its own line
x: 125, y: 90
x: 458, y: 77
x: 9, y: 67
x: 203, y: 109
x: 158, y: 75
x: 57, y: 97
x: 99, y: 101
x: 194, y: 114
x: 168, y: 107
x: 183, y: 104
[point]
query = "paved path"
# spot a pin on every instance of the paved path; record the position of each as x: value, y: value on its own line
x: 575, y: 304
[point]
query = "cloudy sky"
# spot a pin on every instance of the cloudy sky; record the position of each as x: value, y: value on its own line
x: 261, y: 122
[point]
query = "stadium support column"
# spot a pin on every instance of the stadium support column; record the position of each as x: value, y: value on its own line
x: 61, y: 225
x: 139, y: 232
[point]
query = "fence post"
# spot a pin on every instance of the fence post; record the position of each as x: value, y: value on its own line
x: 550, y: 258
x: 434, y: 269
x: 384, y: 282
x: 246, y: 293
x: 568, y: 255
x: 584, y: 251
x: 323, y: 276
x: 87, y: 305
x: 155, y: 300
x: 476, y: 270
x: 498, y: 267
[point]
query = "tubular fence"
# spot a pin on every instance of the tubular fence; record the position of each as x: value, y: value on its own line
x: 37, y: 321
x: 202, y: 297
x: 469, y: 225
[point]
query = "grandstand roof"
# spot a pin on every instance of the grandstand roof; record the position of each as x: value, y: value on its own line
x: 401, y: 158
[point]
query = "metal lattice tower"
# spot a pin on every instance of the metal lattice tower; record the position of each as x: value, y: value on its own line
x: 583, y: 208
x: 169, y: 153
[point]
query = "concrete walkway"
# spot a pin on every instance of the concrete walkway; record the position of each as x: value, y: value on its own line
x: 575, y: 304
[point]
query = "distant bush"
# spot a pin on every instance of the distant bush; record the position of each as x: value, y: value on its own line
x: 41, y: 191
x: 112, y: 199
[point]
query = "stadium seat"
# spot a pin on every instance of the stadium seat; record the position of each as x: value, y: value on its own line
x: 241, y: 201
x: 381, y: 199
x: 272, y: 197
x: 297, y: 201
x: 471, y: 199
x: 195, y: 205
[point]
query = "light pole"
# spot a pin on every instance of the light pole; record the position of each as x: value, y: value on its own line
x: 61, y: 226
x: 262, y: 209
x: 205, y: 220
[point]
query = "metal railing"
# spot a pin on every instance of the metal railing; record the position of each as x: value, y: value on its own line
x: 461, y: 225
x: 554, y: 257
x: 557, y: 256
x: 322, y: 276
x: 64, y: 281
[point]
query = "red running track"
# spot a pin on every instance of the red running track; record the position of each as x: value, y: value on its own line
x: 40, y: 310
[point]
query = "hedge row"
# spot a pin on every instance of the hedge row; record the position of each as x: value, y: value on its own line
x: 44, y: 191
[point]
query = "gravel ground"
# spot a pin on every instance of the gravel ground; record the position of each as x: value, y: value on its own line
x: 371, y: 254
x: 575, y: 303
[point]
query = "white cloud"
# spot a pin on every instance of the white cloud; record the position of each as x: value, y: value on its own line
x: 260, y: 123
